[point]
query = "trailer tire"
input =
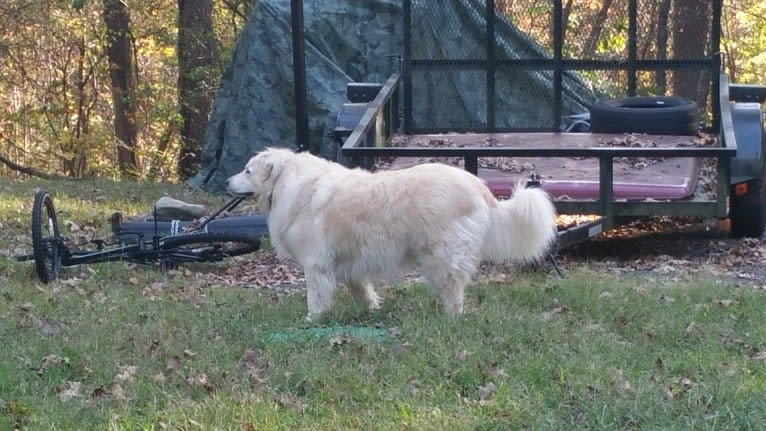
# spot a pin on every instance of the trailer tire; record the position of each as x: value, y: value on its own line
x: 656, y: 115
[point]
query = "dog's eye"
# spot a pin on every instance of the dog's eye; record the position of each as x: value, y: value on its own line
x: 247, y: 170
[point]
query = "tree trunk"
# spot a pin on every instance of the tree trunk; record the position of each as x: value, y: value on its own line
x: 122, y: 71
x: 589, y: 50
x: 80, y: 162
x: 690, y: 35
x: 663, y: 16
x: 730, y: 54
x: 196, y: 56
x: 160, y: 157
x: 565, y: 12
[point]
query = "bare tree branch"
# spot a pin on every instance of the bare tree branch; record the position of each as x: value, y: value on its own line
x: 32, y: 171
x: 234, y: 8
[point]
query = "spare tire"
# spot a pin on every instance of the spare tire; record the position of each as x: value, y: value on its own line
x: 654, y: 115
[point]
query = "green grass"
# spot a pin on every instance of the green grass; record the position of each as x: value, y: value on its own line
x: 120, y: 347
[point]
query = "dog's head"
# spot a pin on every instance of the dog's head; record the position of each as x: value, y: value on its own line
x: 260, y: 174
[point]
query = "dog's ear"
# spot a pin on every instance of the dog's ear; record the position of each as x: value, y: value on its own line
x: 270, y: 166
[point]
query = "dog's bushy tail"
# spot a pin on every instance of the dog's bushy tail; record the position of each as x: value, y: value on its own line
x: 522, y: 228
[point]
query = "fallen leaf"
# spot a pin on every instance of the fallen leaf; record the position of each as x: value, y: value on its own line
x: 621, y: 384
x: 666, y: 299
x: 51, y: 361
x: 554, y: 312
x: 117, y: 392
x: 48, y: 326
x: 255, y: 363
x: 724, y: 303
x: 127, y: 372
x: 72, y: 390
x: 172, y: 364
x: 200, y: 379
x: 340, y: 339
x: 100, y: 392
x: 486, y: 391
x: 153, y: 348
x: 687, y: 384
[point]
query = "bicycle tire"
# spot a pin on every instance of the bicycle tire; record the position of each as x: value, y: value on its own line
x: 45, y: 238
x: 207, y: 246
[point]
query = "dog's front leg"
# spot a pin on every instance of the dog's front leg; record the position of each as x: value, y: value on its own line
x: 320, y: 290
x: 364, y: 293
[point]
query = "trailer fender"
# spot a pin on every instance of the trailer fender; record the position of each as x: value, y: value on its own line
x: 747, y: 195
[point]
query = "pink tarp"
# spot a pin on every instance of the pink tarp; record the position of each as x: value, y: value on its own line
x: 572, y: 178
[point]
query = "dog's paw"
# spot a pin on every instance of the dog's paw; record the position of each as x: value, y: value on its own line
x: 373, y: 302
x: 454, y: 309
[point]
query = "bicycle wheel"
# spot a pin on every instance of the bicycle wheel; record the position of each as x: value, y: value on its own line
x: 45, y: 238
x: 206, y: 246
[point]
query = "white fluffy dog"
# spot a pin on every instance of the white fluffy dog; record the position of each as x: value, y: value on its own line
x: 358, y: 228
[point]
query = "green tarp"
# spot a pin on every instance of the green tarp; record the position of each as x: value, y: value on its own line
x: 358, y: 41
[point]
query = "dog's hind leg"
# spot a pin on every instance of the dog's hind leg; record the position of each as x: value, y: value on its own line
x: 320, y: 288
x: 451, y: 288
x: 364, y: 293
x: 448, y: 276
x: 452, y: 292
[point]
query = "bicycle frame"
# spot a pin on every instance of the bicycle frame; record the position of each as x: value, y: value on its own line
x: 142, y: 251
x: 196, y: 244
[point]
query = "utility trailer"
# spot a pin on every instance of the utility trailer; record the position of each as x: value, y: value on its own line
x: 587, y: 173
x: 668, y: 188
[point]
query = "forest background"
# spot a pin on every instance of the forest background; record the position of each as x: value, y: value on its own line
x: 123, y: 90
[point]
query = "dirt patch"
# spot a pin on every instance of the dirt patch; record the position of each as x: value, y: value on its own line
x: 673, y: 247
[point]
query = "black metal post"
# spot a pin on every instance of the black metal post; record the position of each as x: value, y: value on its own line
x: 299, y: 77
x: 715, y: 48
